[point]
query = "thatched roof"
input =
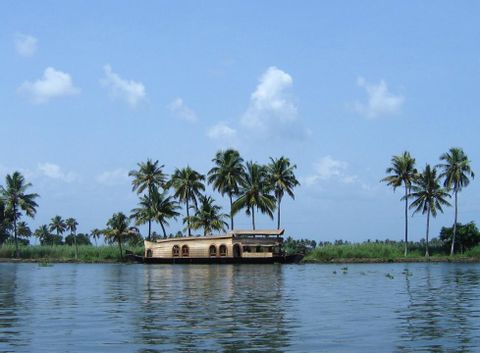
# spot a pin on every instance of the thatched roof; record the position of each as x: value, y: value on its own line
x: 258, y: 232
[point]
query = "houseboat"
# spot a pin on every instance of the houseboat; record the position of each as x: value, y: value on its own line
x: 238, y: 246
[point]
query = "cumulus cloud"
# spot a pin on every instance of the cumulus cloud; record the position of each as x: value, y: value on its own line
x: 130, y: 91
x: 54, y: 171
x: 329, y: 168
x: 182, y: 111
x: 380, y: 101
x: 53, y: 84
x: 113, y: 177
x: 221, y: 132
x: 271, y: 108
x: 25, y: 45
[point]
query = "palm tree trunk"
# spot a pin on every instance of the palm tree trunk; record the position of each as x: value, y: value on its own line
x: 428, y: 226
x: 96, y: 245
x: 188, y: 220
x: 231, y: 210
x: 120, y: 246
x: 76, y: 248
x: 163, y: 229
x: 406, y: 220
x: 278, y: 212
x: 17, y: 253
x: 452, y: 247
x: 149, y: 228
x: 253, y: 218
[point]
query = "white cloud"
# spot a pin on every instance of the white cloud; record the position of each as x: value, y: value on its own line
x: 131, y: 91
x: 53, y: 84
x: 380, y: 101
x: 327, y: 168
x: 221, y: 132
x: 182, y: 111
x: 54, y: 171
x: 113, y: 177
x: 26, y: 45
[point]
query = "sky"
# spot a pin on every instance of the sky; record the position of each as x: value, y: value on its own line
x: 88, y: 90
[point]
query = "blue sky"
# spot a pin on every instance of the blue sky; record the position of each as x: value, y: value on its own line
x: 86, y: 92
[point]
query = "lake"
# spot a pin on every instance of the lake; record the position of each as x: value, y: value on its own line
x: 240, y: 308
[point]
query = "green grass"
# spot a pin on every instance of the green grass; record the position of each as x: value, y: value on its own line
x: 86, y: 253
x: 474, y: 252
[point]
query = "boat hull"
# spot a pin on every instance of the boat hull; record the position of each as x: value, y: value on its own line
x: 287, y: 259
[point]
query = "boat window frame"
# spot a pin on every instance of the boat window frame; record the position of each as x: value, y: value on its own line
x: 149, y: 253
x: 176, y: 251
x: 210, y: 254
x: 223, y: 246
x: 185, y: 253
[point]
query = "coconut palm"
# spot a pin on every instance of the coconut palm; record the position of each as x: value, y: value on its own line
x: 456, y: 170
x: 42, y: 233
x: 57, y: 225
x: 23, y: 230
x: 282, y: 179
x: 255, y: 192
x: 119, y: 230
x: 209, y: 216
x: 188, y: 185
x: 227, y: 175
x: 402, y: 172
x: 95, y: 233
x: 16, y: 200
x: 159, y: 207
x: 148, y: 176
x: 428, y: 196
x: 71, y: 225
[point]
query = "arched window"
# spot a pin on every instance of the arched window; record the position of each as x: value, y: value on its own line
x: 212, y: 251
x: 223, y: 250
x: 185, y: 250
x: 176, y: 251
x: 149, y: 253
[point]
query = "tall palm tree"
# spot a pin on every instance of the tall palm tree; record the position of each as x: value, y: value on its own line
x: 209, y: 216
x: 42, y: 233
x: 71, y: 225
x: 282, y: 179
x: 159, y: 207
x: 402, y: 172
x: 148, y: 176
x: 23, y: 230
x: 95, y: 233
x: 255, y: 192
x: 188, y: 185
x: 456, y: 170
x: 15, y: 197
x: 119, y: 230
x: 57, y: 225
x: 428, y: 196
x: 227, y: 175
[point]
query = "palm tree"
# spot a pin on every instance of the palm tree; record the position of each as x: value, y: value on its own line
x: 158, y: 207
x: 429, y: 196
x: 282, y: 179
x: 119, y: 229
x: 17, y: 200
x: 23, y: 230
x: 57, y: 225
x: 209, y: 216
x: 227, y: 175
x: 402, y: 172
x: 148, y: 176
x: 42, y: 233
x: 188, y: 185
x: 456, y: 170
x: 95, y: 233
x: 255, y: 192
x: 71, y: 224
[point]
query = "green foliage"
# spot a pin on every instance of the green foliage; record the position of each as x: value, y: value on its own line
x: 209, y: 217
x: 466, y: 238
x: 358, y: 251
x: 82, y: 239
x: 302, y: 246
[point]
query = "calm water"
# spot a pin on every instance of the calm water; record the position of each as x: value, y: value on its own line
x: 297, y: 308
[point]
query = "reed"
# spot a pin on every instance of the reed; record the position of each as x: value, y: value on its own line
x: 86, y: 253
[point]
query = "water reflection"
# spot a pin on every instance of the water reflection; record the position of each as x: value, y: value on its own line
x: 213, y: 308
x: 442, y: 310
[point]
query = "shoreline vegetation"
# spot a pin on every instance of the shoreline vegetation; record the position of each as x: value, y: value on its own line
x: 256, y: 189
